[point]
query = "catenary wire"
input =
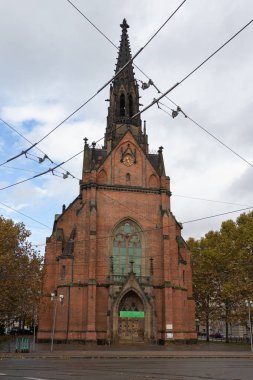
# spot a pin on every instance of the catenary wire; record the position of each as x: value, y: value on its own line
x: 169, y: 225
x: 27, y: 216
x: 40, y: 150
x: 155, y: 101
x: 51, y: 170
x: 209, y: 133
x: 123, y: 205
x: 96, y: 93
x: 157, y: 228
x: 204, y: 129
x: 209, y: 200
x: 108, y: 39
x: 33, y: 171
x: 190, y: 197
x: 20, y: 134
x: 114, y: 200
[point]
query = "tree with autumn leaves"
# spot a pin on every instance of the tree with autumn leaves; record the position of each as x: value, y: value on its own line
x: 222, y: 264
x: 20, y: 274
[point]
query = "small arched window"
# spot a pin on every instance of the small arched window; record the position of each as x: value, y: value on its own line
x: 131, y: 110
x: 122, y: 105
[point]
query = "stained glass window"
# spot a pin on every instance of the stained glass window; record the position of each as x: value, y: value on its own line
x: 127, y: 249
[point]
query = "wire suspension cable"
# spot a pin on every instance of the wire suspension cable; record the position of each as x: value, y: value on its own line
x: 27, y: 216
x: 209, y: 200
x: 192, y: 72
x: 35, y: 176
x: 155, y: 101
x: 112, y: 43
x: 98, y: 91
x: 158, y: 228
x: 21, y: 135
x: 205, y: 130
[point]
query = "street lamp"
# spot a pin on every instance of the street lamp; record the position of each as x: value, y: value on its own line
x: 249, y: 304
x: 55, y: 300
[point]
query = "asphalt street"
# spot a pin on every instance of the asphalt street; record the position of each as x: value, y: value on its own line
x: 126, y: 369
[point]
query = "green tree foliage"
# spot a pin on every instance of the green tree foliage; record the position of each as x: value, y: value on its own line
x: 222, y: 263
x: 20, y: 273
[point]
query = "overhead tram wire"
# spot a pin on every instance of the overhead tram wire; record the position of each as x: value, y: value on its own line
x: 50, y: 170
x: 110, y: 41
x: 157, y: 228
x: 23, y: 137
x: 208, y: 132
x: 40, y: 150
x: 98, y: 91
x: 185, y: 196
x: 209, y: 200
x: 27, y: 216
x: 159, y: 91
x: 155, y: 101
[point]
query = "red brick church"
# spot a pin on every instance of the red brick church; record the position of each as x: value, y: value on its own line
x: 116, y: 253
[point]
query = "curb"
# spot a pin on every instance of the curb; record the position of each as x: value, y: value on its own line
x: 129, y: 355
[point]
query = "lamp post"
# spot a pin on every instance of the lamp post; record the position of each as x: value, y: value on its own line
x: 55, y: 300
x: 249, y: 304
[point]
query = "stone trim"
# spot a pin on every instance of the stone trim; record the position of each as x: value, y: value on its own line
x: 134, y: 189
x: 82, y: 285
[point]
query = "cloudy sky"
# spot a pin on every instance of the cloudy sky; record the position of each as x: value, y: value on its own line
x: 52, y: 60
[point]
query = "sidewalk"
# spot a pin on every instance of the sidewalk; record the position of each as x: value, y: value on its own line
x: 67, y: 351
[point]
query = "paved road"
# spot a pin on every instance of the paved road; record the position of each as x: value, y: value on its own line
x: 126, y: 369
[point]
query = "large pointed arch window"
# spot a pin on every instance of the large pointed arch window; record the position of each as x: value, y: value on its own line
x: 127, y: 249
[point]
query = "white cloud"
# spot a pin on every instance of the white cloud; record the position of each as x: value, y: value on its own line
x: 53, y: 60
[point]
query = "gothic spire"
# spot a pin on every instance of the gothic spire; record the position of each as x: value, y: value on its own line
x: 124, y: 49
x: 124, y: 97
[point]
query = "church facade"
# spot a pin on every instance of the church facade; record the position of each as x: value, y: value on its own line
x: 116, y: 253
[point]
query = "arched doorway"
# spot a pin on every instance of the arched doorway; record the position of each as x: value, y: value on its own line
x: 131, y: 324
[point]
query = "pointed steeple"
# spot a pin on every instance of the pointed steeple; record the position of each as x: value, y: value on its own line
x: 124, y: 98
x: 124, y: 50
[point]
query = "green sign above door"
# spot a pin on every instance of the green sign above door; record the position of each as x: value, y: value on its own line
x: 131, y: 314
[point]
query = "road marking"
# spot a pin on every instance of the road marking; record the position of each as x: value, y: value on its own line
x: 34, y: 378
x: 3, y: 374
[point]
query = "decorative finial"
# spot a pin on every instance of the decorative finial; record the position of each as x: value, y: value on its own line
x: 124, y: 24
x: 85, y: 141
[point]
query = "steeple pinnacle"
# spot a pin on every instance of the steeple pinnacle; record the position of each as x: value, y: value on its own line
x: 124, y: 97
x: 124, y: 48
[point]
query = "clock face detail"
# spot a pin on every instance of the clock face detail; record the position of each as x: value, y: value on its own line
x: 128, y: 160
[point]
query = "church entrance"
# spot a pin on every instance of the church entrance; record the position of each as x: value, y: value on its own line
x: 131, y: 319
